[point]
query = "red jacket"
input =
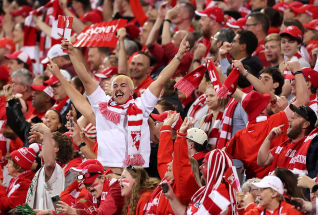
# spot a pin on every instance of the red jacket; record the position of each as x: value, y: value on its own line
x: 284, y: 208
x: 16, y: 192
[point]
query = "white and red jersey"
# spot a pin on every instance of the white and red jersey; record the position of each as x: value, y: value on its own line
x: 313, y: 102
x: 298, y: 163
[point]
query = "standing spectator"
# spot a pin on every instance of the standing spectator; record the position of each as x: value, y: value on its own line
x: 258, y: 23
x: 181, y: 15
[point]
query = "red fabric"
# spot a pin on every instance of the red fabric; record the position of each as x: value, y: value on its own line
x: 165, y: 53
x: 72, y: 194
x: 284, y: 153
x: 260, y: 53
x: 214, y: 75
x: 190, y: 29
x: 144, y: 198
x: 285, y: 208
x: 15, y: 144
x: 138, y: 11
x: 272, y: 30
x: 229, y: 85
x: 143, y: 86
x: 207, y: 42
x: 18, y: 187
x: 213, y: 130
x: 94, y: 16
x: 3, y: 103
x: 240, y: 147
x: 110, y: 201
x: 73, y: 163
x: 298, y: 162
x: 60, y: 104
x: 186, y: 184
x: 31, y: 109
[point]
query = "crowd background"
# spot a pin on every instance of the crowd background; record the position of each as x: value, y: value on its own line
x: 202, y: 107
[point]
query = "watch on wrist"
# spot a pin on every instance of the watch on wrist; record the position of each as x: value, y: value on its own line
x: 81, y: 145
x: 196, y: 61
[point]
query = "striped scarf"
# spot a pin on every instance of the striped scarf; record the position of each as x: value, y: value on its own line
x: 197, y: 105
x: 213, y: 198
x: 226, y: 122
x: 211, y: 127
x: 313, y: 102
x: 135, y: 119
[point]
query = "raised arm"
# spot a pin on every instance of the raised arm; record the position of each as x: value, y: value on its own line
x: 107, y: 10
x: 166, y: 34
x: 154, y: 33
x: 78, y: 25
x: 90, y: 84
x: 122, y: 55
x: 78, y: 100
x: 48, y: 149
x: 169, y: 70
x: 265, y: 157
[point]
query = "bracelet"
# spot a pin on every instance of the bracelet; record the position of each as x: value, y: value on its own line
x: 298, y: 72
x: 81, y: 145
x: 178, y: 58
x: 196, y: 61
x: 167, y: 20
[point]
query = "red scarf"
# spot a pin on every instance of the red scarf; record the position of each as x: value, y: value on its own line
x: 286, y: 71
x: 197, y: 105
x: 212, y: 129
x: 214, y: 75
x: 135, y: 119
x: 230, y: 84
x: 59, y: 105
x: 226, y: 123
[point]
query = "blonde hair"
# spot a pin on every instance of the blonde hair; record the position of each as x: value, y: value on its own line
x: 142, y: 184
x: 272, y: 37
x: 130, y: 82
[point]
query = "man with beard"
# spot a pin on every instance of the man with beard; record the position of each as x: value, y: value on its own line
x: 301, y: 123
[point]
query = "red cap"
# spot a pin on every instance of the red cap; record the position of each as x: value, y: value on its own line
x: 213, y: 12
x: 4, y: 73
x: 7, y: 44
x: 108, y: 72
x: 293, y: 31
x: 254, y: 103
x: 161, y: 117
x: 313, y: 25
x: 294, y: 5
x: 52, y: 81
x: 21, y: 55
x: 281, y: 6
x: 90, y: 169
x: 240, y: 23
x: 309, y: 73
x: 308, y: 9
x: 22, y: 11
x: 25, y: 157
x: 47, y: 89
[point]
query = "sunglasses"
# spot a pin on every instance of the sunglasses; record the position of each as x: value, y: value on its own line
x: 87, y: 175
x: 130, y: 167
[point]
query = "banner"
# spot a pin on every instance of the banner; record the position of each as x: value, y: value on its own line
x: 100, y: 35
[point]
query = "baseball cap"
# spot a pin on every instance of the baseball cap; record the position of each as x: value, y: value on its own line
x: 108, y: 72
x: 237, y: 24
x: 309, y: 73
x: 21, y: 55
x: 281, y: 6
x: 47, y: 89
x: 53, y: 80
x: 7, y: 44
x: 54, y: 52
x: 22, y: 11
x: 308, y: 9
x: 213, y: 12
x: 89, y: 170
x: 306, y: 112
x: 197, y: 135
x: 293, y: 31
x: 312, y: 25
x: 271, y: 182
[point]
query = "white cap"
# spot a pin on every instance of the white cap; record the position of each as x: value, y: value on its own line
x: 271, y: 182
x: 54, y: 52
x: 197, y: 135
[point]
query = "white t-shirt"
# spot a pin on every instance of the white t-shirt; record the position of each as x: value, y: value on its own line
x: 46, y: 190
x: 113, y: 138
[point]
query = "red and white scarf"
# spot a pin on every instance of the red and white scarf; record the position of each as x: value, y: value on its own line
x: 296, y: 57
x: 197, y: 105
x: 230, y: 84
x: 210, y: 197
x: 211, y: 126
x: 226, y: 123
x: 135, y: 119
x: 214, y: 75
x: 313, y: 102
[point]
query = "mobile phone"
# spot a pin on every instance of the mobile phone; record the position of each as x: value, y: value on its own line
x: 164, y: 187
x: 55, y: 199
x: 72, y: 121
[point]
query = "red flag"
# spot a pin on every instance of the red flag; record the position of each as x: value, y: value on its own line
x: 100, y: 35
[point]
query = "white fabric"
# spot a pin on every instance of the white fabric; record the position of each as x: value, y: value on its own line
x: 113, y: 138
x: 46, y: 190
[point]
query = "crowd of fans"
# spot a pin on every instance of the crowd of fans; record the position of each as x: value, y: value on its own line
x: 203, y: 107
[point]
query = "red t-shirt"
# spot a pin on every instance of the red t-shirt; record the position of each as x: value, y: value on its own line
x: 143, y: 86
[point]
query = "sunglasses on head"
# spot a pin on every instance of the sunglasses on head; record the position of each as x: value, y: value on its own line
x: 87, y: 175
x: 130, y: 167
